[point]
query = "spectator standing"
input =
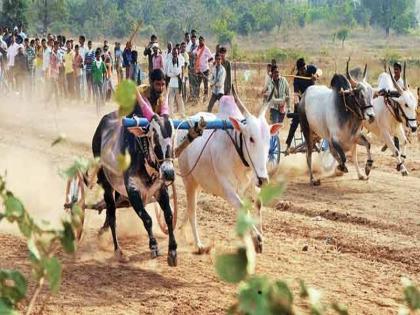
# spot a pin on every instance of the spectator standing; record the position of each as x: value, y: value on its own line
x: 191, y: 72
x: 157, y: 59
x: 118, y: 61
x: 69, y: 70
x: 202, y: 58
x: 20, y: 70
x: 98, y: 72
x: 77, y: 71
x: 226, y: 64
x: 148, y: 51
x: 30, y: 63
x: 88, y: 61
x: 135, y: 68
x: 217, y: 82
x: 127, y: 59
x: 174, y: 71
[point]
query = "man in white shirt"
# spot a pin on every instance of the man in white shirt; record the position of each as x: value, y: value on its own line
x: 217, y: 82
x: 46, y: 56
x: 174, y: 71
x: 11, y: 54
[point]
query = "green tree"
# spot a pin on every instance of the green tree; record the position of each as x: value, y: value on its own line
x: 392, y: 14
x: 14, y: 12
x: 49, y: 15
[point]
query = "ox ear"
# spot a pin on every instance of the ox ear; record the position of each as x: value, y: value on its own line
x: 237, y: 125
x: 274, y: 128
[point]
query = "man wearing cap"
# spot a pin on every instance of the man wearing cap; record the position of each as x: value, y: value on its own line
x: 300, y: 84
x: 157, y: 58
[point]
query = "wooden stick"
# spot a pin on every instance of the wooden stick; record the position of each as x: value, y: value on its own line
x: 135, y: 31
x: 297, y: 76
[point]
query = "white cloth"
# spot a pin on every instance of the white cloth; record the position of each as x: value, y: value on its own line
x: 11, y: 54
x: 173, y: 71
x: 217, y: 80
x: 46, y: 58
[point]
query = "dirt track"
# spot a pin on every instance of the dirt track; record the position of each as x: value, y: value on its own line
x: 361, y: 236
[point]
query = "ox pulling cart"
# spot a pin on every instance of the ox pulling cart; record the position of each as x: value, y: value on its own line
x: 78, y: 186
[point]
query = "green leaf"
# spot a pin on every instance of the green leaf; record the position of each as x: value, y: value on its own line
x: 13, y: 285
x: 34, y: 254
x: 76, y: 216
x: 6, y: 307
x: 125, y: 96
x: 244, y: 222
x: 232, y: 267
x: 270, y: 192
x: 303, y: 289
x: 14, y: 208
x: 26, y: 225
x: 124, y: 161
x: 67, y: 238
x: 254, y: 296
x: 412, y: 296
x: 340, y: 308
x: 53, y: 273
x: 281, y: 298
x: 79, y: 165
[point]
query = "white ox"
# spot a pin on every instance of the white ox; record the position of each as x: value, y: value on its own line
x: 394, y: 107
x: 336, y: 114
x: 224, y: 162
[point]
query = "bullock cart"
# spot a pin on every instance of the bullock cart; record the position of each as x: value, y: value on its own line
x: 78, y: 186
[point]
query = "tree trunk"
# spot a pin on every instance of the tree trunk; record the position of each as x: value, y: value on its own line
x: 387, y: 32
x: 45, y: 18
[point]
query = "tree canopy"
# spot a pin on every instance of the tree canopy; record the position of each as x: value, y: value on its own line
x: 223, y: 18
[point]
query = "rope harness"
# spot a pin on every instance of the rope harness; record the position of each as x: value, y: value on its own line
x: 360, y: 109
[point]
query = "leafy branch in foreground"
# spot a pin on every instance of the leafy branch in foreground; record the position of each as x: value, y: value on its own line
x: 42, y: 244
x: 260, y: 295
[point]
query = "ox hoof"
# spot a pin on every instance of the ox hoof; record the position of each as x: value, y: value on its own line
x: 203, y: 250
x: 102, y: 230
x: 367, y: 170
x: 342, y: 168
x: 362, y: 177
x: 404, y: 173
x: 258, y: 244
x: 172, y: 260
x: 120, y: 257
x: 315, y: 182
x: 154, y: 251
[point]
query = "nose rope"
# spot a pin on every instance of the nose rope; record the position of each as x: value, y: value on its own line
x: 252, y: 163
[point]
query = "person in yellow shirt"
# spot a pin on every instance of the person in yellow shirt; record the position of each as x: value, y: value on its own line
x: 68, y: 70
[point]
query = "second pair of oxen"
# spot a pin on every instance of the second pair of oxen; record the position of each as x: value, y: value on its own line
x: 336, y: 114
x: 396, y: 110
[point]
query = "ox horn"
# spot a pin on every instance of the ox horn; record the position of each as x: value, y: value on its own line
x: 239, y: 103
x: 353, y: 82
x: 365, y: 74
x: 395, y: 82
x: 404, y: 76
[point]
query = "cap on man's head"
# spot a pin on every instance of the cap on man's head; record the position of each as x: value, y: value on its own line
x: 397, y: 65
x: 300, y: 63
x: 157, y: 75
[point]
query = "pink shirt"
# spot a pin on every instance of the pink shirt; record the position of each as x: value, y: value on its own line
x: 205, y: 56
x: 157, y: 62
x: 147, y: 110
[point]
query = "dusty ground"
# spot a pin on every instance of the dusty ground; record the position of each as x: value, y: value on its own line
x: 361, y: 236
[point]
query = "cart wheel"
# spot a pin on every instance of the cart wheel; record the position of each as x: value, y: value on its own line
x: 75, y: 194
x: 274, y: 151
x: 173, y: 199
